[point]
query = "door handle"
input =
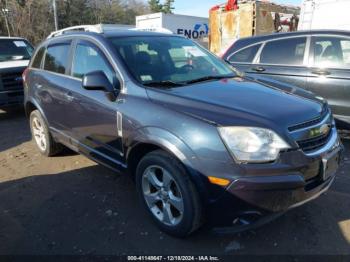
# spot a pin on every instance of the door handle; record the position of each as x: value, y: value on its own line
x: 259, y: 69
x: 69, y: 96
x: 321, y: 72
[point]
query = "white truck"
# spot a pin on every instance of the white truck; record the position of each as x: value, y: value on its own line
x: 325, y: 14
x: 193, y: 27
x: 15, y: 53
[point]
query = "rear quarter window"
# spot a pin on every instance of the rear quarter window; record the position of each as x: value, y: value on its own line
x: 245, y: 55
x: 38, y: 58
x: 56, y: 58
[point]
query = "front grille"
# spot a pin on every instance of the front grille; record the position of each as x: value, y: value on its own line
x: 310, y: 123
x: 11, y: 81
x: 312, y: 144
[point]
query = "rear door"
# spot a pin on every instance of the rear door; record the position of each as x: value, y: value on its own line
x: 329, y: 72
x: 284, y: 60
x: 50, y: 84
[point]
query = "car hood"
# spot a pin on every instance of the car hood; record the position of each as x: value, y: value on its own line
x: 13, y: 64
x: 239, y: 101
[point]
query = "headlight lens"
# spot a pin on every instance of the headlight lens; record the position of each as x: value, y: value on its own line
x: 252, y: 144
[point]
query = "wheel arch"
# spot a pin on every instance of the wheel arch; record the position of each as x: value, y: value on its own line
x: 30, y: 106
x: 151, y: 139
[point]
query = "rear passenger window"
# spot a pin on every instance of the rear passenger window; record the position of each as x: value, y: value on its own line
x: 284, y: 52
x: 331, y: 52
x: 38, y: 58
x: 245, y: 56
x: 56, y: 59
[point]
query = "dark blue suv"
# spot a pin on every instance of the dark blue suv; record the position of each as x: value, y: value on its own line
x: 201, y: 142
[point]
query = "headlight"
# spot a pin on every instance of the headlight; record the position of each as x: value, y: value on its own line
x: 251, y: 144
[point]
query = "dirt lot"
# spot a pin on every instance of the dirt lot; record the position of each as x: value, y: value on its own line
x: 70, y: 205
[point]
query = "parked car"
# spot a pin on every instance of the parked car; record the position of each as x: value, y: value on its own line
x: 15, y: 54
x: 200, y: 142
x: 318, y: 61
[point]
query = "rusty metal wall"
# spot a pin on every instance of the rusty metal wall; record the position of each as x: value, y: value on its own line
x: 252, y: 18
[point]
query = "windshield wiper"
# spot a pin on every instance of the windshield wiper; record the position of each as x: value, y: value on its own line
x: 165, y: 83
x: 208, y: 78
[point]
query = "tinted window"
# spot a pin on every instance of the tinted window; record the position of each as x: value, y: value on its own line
x: 56, y: 59
x: 176, y: 59
x: 331, y: 52
x: 284, y: 52
x: 38, y: 58
x: 246, y: 55
x: 88, y: 58
x: 15, y: 49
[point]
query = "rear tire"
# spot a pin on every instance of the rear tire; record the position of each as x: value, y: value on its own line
x: 168, y: 194
x: 41, y: 135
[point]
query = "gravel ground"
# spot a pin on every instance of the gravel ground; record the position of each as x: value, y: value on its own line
x: 69, y: 205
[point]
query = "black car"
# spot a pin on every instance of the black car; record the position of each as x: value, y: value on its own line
x: 318, y: 61
x: 15, y: 54
x: 202, y: 143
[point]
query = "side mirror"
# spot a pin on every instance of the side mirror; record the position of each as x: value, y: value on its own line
x: 98, y: 80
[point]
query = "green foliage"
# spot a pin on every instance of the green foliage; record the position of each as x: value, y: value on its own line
x: 168, y: 6
x: 156, y: 6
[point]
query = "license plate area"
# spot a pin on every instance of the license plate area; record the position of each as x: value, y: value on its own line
x: 330, y: 164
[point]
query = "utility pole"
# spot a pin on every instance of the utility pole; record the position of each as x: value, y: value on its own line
x: 5, y: 12
x: 55, y: 14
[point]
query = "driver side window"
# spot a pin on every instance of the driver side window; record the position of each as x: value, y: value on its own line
x: 89, y: 58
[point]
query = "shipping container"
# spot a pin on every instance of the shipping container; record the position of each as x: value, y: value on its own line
x: 193, y: 27
x: 251, y: 18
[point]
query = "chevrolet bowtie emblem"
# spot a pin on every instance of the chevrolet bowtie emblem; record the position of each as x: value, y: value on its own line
x: 323, y: 130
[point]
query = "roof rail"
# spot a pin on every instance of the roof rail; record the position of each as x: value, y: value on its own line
x: 153, y: 29
x: 99, y: 28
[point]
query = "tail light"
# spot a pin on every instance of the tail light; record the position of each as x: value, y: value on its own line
x: 24, y: 74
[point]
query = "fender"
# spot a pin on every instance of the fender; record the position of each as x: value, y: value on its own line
x: 174, y: 145
x: 38, y: 107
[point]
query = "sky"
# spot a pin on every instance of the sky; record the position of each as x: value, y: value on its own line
x: 201, y: 7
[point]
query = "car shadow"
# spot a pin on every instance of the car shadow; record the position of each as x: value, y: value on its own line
x: 95, y: 211
x: 14, y: 128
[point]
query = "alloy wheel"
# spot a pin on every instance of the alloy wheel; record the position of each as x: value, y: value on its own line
x: 162, y: 195
x: 39, y: 133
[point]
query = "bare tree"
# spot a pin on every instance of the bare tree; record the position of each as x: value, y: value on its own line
x: 33, y: 19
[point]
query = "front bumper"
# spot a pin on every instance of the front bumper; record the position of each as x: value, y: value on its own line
x: 292, y: 187
x: 277, y: 187
x: 11, y: 98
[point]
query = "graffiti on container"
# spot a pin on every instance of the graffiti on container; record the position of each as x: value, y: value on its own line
x: 198, y: 31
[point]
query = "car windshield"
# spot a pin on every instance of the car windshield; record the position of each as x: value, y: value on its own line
x: 15, y: 49
x: 169, y: 61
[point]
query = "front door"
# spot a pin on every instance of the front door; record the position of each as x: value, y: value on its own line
x: 92, y: 117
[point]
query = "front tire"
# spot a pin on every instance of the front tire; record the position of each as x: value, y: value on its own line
x: 41, y: 135
x: 168, y: 194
